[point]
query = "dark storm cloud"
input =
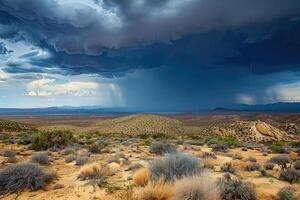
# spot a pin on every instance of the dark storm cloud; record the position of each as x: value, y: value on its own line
x: 112, y: 37
x: 3, y: 49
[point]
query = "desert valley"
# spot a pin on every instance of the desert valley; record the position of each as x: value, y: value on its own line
x: 150, y: 156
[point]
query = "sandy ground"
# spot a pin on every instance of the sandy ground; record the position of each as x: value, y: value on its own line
x: 136, y: 152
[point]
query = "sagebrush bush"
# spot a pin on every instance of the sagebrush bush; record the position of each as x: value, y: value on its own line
x: 47, y: 139
x: 269, y: 166
x: 17, y: 177
x: 236, y: 189
x: 207, y: 155
x: 155, y: 191
x: 228, y: 167
x: 141, y: 177
x: 284, y: 161
x: 252, y: 159
x: 237, y: 156
x: 174, y: 166
x: 201, y: 187
x: 253, y: 167
x: 81, y: 160
x: 219, y: 147
x: 67, y: 151
x: 287, y: 193
x: 8, y: 153
x: 297, y: 165
x: 40, y: 158
x: 70, y: 158
x: 160, y: 147
x: 290, y: 175
x: 93, y: 171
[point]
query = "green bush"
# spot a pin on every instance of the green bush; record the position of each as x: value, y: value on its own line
x: 226, y: 141
x: 24, y: 138
x: 47, y: 139
x: 278, y: 147
x: 287, y: 193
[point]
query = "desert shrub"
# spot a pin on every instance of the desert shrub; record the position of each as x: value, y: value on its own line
x: 67, y: 151
x: 70, y: 158
x: 95, y: 148
x: 200, y: 187
x: 17, y: 177
x: 147, y: 142
x: 263, y: 172
x: 117, y: 158
x: 219, y: 147
x: 141, y: 177
x: 155, y: 191
x: 160, y: 147
x: 227, y: 140
x: 253, y: 167
x: 286, y: 193
x: 228, y: 167
x: 40, y: 158
x: 269, y: 166
x: 24, y: 138
x: 284, y: 161
x: 290, y: 175
x: 173, y: 166
x: 244, y: 149
x: 237, y: 189
x: 8, y: 153
x: 207, y: 155
x: 297, y: 164
x: 98, y: 146
x: 81, y: 160
x: 161, y: 136
x: 278, y: 147
x: 47, y: 139
x: 252, y: 159
x: 93, y: 171
x: 237, y: 156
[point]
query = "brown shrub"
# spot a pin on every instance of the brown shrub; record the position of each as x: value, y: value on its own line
x: 155, y: 191
x: 93, y: 171
x: 141, y: 177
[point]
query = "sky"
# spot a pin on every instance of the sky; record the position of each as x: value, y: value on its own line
x: 149, y: 54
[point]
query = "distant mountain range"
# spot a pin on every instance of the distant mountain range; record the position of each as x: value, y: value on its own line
x: 275, y: 107
x: 61, y: 110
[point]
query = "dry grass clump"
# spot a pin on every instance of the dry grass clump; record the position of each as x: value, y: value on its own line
x: 160, y: 190
x: 93, y: 171
x: 141, y: 177
x: 200, y: 187
x: 17, y: 177
x: 209, y: 163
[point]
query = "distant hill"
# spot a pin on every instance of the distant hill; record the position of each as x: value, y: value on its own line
x: 12, y: 126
